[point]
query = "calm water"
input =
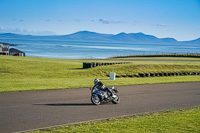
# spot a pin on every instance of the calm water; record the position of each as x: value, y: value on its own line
x: 79, y: 50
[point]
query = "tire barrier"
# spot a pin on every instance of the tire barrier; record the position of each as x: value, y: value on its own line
x: 143, y: 75
x: 95, y: 64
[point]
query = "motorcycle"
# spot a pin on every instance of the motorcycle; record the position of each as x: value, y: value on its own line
x: 101, y: 96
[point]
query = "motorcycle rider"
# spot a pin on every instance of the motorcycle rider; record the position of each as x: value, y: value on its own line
x: 99, y: 85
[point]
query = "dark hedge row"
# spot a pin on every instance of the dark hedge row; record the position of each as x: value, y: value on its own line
x: 162, y: 55
x: 158, y: 74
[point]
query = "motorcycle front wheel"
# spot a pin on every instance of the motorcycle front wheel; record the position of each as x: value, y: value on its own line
x: 95, y: 100
x: 116, y: 100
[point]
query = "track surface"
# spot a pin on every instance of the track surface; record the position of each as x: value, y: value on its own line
x: 30, y: 110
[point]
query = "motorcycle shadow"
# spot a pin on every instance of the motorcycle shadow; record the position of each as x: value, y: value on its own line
x: 66, y: 104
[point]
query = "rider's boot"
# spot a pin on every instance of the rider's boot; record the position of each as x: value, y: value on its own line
x: 113, y: 96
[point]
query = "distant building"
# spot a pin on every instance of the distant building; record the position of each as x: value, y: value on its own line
x: 4, y: 49
x: 16, y: 52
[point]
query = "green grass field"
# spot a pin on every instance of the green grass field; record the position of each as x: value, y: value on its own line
x: 28, y: 73
x: 175, y: 121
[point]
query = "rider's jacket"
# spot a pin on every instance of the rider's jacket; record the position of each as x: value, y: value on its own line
x: 99, y: 85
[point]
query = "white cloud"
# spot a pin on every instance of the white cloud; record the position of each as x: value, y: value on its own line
x: 161, y: 25
x: 106, y: 21
x: 19, y: 20
x: 24, y: 31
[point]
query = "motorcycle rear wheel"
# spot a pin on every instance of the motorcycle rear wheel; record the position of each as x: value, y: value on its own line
x: 95, y: 100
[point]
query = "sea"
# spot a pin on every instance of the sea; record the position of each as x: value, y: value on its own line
x: 93, y: 50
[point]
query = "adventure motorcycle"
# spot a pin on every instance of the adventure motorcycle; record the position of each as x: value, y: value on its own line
x: 100, y: 96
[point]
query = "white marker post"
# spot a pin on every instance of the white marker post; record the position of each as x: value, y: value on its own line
x: 112, y: 75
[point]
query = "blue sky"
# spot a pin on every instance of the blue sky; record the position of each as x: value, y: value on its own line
x: 179, y: 19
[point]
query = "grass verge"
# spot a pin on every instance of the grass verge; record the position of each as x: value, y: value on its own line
x: 17, y: 85
x: 26, y: 73
x: 175, y: 121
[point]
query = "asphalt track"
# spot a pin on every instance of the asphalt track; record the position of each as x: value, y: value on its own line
x: 32, y: 110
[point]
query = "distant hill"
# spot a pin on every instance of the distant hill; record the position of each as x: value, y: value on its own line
x: 138, y: 38
x: 87, y: 35
x: 98, y: 37
x: 196, y: 41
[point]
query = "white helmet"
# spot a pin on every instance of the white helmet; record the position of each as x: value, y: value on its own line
x: 96, y: 81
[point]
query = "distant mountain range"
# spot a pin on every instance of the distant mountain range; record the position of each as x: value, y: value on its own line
x: 88, y: 36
